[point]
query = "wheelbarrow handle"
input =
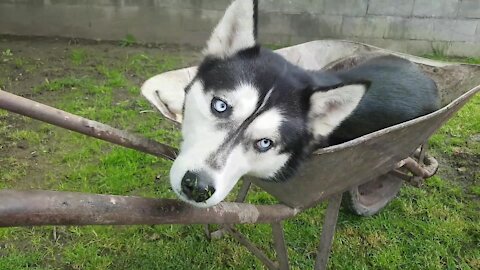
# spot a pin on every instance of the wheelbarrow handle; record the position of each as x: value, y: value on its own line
x: 35, y: 110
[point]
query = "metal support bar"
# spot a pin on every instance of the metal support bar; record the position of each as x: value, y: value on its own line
x: 328, y: 232
x: 252, y: 248
x: 280, y: 247
x: 243, y: 192
x: 37, y: 208
x: 426, y: 166
x: 35, y: 110
x: 418, y: 180
x: 241, y: 196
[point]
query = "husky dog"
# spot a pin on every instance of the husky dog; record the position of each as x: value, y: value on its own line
x: 248, y: 111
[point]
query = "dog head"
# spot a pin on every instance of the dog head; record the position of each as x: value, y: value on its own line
x: 248, y: 111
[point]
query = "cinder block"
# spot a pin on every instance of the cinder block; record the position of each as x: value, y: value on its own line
x: 391, y: 7
x: 283, y: 40
x: 316, y: 26
x: 464, y: 49
x: 330, y: 26
x: 271, y: 5
x: 304, y: 25
x: 364, y: 26
x: 205, y: 20
x: 469, y: 9
x: 292, y: 6
x: 437, y: 8
x: 455, y: 30
x: 275, y: 23
x: 477, y: 33
x: 409, y: 28
x: 311, y: 26
x: 346, y: 7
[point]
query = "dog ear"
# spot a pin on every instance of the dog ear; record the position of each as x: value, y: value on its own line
x: 329, y: 106
x: 166, y: 92
x: 236, y: 31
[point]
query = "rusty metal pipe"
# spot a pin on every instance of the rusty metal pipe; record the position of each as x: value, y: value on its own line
x: 38, y: 208
x: 35, y: 110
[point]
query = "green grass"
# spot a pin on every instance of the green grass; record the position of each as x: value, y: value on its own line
x: 78, y: 57
x: 435, y: 227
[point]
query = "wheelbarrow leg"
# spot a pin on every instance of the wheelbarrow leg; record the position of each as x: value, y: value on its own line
x: 328, y: 231
x: 280, y: 247
x: 241, y: 196
x: 417, y: 181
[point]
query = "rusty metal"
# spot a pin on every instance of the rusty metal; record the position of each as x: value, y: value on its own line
x: 423, y: 172
x: 37, y: 208
x: 425, y: 167
x: 328, y: 232
x: 35, y: 110
x: 419, y: 180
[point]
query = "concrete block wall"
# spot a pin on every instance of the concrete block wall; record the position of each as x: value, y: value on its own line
x: 451, y: 27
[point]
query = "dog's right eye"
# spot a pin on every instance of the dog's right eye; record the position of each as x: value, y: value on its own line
x: 219, y: 106
x: 263, y: 145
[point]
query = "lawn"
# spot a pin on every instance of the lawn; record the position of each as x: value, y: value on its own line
x: 433, y: 227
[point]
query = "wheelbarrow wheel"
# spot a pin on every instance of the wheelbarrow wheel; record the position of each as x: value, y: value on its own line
x: 371, y: 197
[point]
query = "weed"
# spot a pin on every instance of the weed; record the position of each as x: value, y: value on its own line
x: 114, y: 78
x: 29, y: 136
x: 3, y: 114
x: 7, y: 53
x: 128, y: 40
x: 78, y: 56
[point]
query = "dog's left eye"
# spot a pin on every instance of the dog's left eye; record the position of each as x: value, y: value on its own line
x: 263, y: 145
x: 219, y: 105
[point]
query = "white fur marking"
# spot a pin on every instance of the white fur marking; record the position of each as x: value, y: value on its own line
x: 243, y: 99
x: 267, y: 97
x: 266, y: 125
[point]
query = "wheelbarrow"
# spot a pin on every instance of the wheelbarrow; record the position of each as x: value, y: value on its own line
x: 366, y: 172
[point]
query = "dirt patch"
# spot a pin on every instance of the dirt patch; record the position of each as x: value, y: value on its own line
x: 460, y: 167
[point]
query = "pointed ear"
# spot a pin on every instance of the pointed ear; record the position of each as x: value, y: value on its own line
x: 236, y: 31
x: 166, y: 92
x: 330, y: 106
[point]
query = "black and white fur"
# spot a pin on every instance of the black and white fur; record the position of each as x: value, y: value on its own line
x: 273, y: 114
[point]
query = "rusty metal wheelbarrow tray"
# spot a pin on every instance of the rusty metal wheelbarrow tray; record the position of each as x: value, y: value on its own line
x: 329, y: 173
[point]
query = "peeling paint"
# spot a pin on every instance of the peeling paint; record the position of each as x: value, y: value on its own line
x: 246, y: 213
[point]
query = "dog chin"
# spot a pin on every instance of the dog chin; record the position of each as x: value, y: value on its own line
x: 214, y: 200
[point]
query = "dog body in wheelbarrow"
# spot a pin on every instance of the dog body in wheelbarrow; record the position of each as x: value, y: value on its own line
x: 370, y: 168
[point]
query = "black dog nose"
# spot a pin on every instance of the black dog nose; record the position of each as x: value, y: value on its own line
x: 197, y: 186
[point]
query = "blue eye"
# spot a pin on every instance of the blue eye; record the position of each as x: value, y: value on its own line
x: 219, y: 105
x: 263, y: 145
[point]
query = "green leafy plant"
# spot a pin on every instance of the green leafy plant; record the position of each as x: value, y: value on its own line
x: 128, y: 40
